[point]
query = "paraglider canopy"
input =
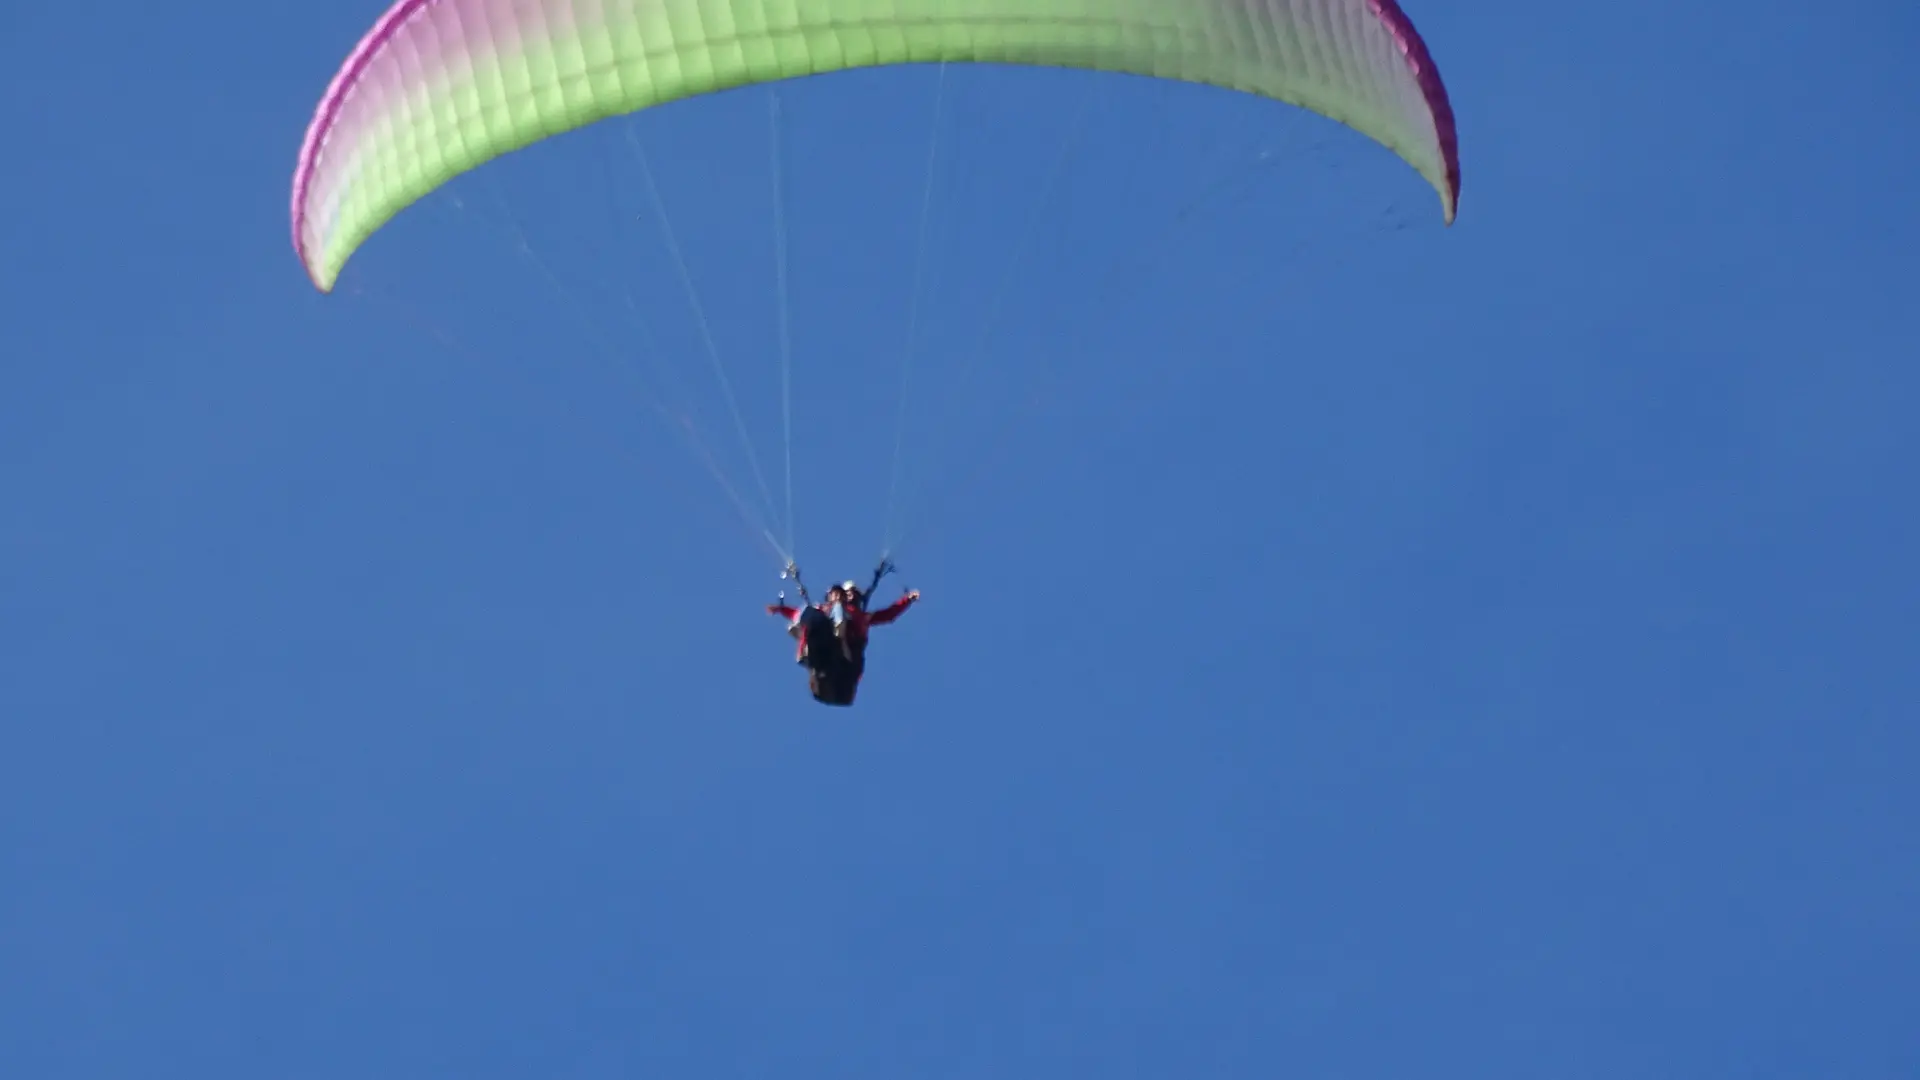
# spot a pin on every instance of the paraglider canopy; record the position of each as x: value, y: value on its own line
x: 439, y: 87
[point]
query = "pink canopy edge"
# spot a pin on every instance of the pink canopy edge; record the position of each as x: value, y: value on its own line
x: 323, y: 118
x: 1426, y: 75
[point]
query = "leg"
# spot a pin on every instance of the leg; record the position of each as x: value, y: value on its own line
x: 816, y: 630
x: 832, y: 686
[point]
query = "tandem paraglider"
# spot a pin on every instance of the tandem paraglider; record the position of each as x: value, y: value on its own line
x: 831, y: 636
x: 438, y: 88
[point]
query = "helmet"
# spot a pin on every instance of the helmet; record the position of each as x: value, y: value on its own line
x: 852, y: 592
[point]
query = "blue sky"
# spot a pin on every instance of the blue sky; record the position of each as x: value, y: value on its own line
x: 1351, y: 647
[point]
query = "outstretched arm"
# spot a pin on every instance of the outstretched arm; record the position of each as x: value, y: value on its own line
x: 895, y: 610
x: 783, y: 611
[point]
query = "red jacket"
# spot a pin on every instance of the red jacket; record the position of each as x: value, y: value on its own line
x: 858, y: 621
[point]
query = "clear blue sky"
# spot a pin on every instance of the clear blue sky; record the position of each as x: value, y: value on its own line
x: 1368, y: 650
